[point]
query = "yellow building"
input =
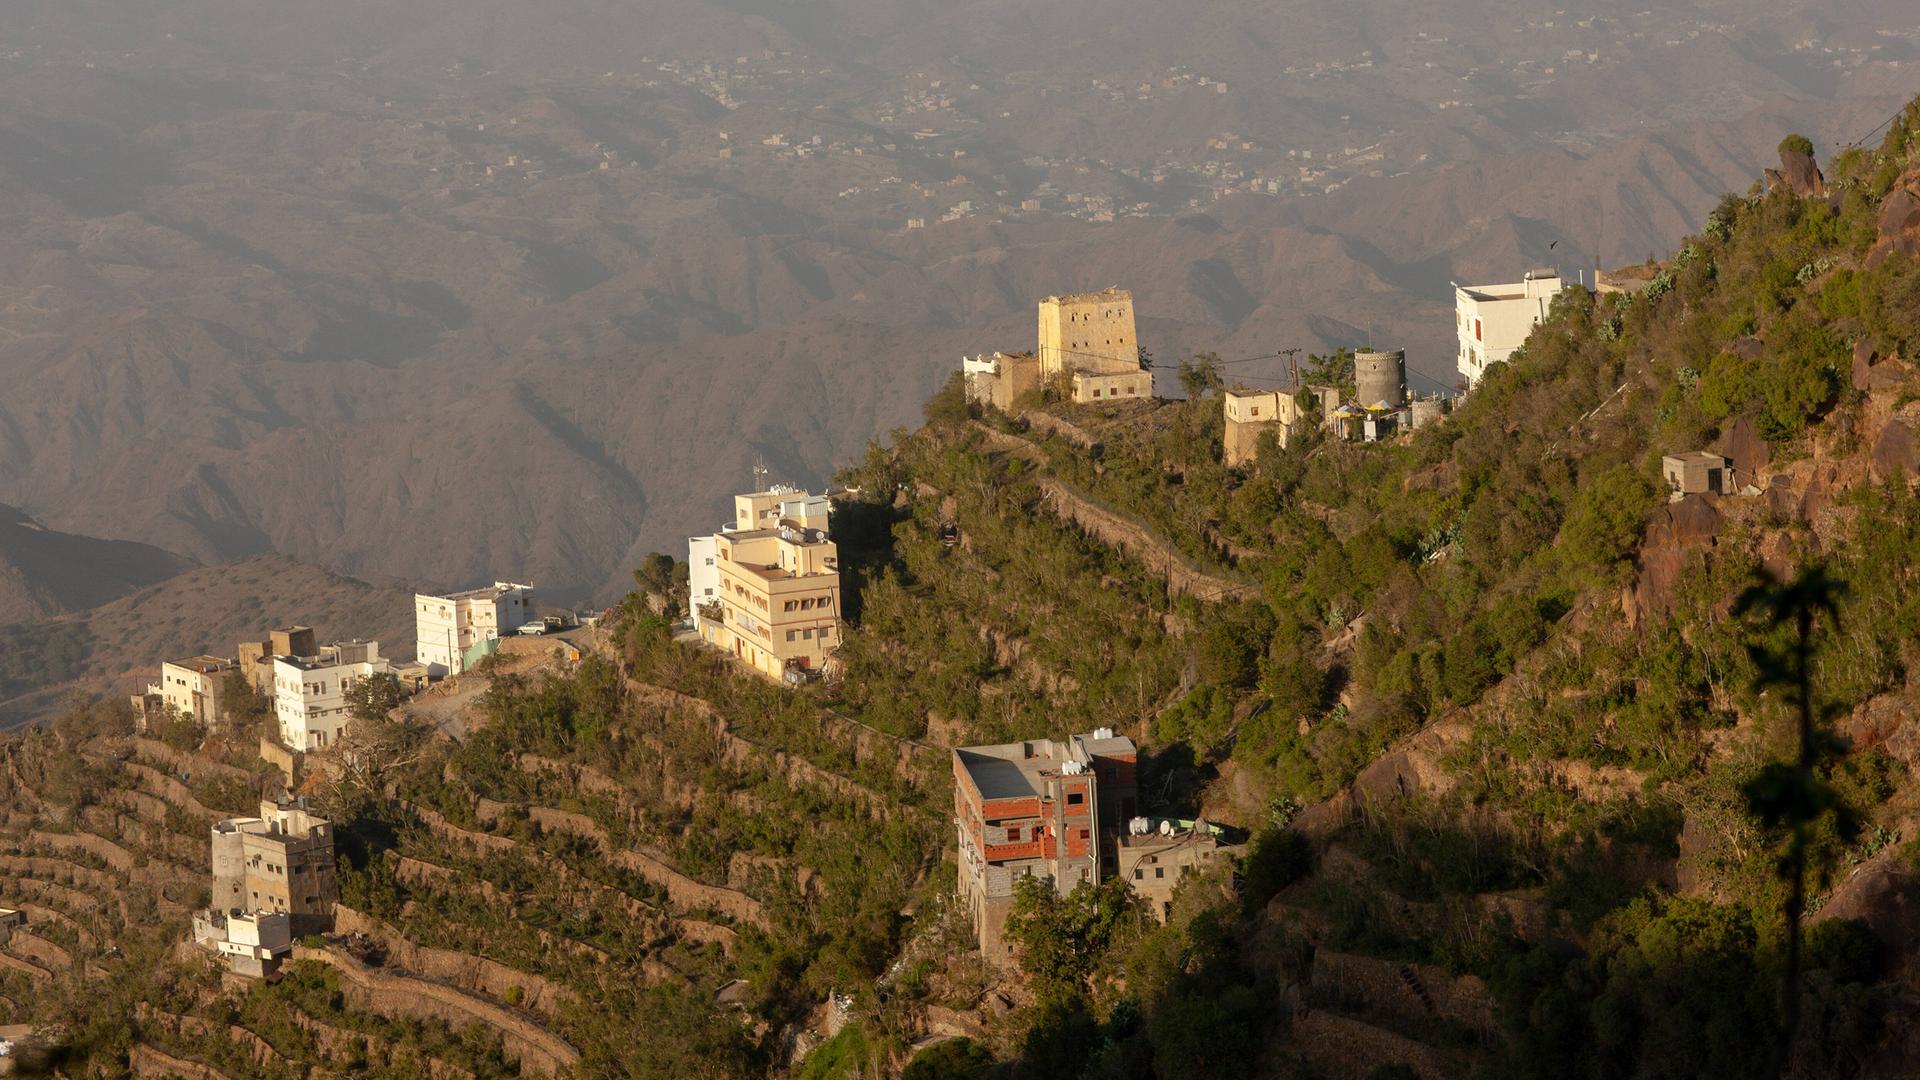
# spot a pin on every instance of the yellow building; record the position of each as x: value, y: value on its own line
x: 779, y: 597
x: 1091, y: 336
x: 1000, y: 379
x: 1252, y: 413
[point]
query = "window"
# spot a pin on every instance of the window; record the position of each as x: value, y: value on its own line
x: 1476, y: 331
x: 1139, y: 874
x: 1159, y: 871
x: 1013, y: 834
x: 789, y: 635
x: 1075, y: 798
x: 807, y: 634
x: 1084, y: 834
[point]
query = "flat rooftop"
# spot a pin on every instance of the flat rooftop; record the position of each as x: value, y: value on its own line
x: 1014, y: 770
x: 485, y: 592
x: 1001, y: 777
x: 1111, y: 292
x: 205, y: 665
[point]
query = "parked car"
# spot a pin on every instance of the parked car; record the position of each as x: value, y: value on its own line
x: 532, y: 629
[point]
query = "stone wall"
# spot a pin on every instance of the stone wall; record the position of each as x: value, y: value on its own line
x: 537, y: 1050
x: 465, y: 971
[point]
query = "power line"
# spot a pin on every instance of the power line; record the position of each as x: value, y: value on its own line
x: 1877, y: 127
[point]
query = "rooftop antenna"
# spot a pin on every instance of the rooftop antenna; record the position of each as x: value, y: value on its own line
x: 759, y: 474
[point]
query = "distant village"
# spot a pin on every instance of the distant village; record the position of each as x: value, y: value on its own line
x: 764, y: 590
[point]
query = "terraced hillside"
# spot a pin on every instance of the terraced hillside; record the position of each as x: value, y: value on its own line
x: 1495, y: 713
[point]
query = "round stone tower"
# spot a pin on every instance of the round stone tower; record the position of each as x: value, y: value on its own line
x: 1380, y: 376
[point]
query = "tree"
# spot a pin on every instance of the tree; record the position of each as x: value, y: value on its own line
x: 1606, y: 519
x: 245, y: 706
x: 1797, y: 144
x: 1064, y: 1035
x: 1061, y: 939
x: 374, y: 697
x: 1279, y: 857
x: 373, y: 743
x: 662, y: 576
x: 949, y: 407
x: 1200, y: 375
x: 954, y: 1059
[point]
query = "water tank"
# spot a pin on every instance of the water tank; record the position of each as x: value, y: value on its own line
x: 1428, y: 411
x: 1380, y: 376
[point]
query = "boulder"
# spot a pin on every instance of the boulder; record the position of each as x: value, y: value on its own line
x: 1899, y: 225
x: 1782, y: 499
x: 1749, y: 347
x: 1895, y: 451
x: 1749, y: 453
x: 1871, y: 371
x: 1799, y: 173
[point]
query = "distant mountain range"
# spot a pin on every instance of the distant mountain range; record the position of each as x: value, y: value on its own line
x: 270, y: 284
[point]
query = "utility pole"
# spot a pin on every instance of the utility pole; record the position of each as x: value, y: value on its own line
x: 1293, y: 363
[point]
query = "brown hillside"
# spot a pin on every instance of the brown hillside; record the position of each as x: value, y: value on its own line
x: 45, y: 573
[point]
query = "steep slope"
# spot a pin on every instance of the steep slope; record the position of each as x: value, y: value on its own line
x: 1489, y: 704
x: 45, y: 573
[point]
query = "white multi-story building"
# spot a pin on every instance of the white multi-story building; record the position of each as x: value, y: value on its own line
x: 755, y: 510
x: 1494, y: 320
x: 310, y: 692
x: 447, y: 626
x: 703, y: 577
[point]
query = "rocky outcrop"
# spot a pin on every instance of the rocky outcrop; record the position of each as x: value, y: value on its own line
x: 1798, y: 173
x: 1882, y: 895
x: 1676, y: 532
x: 1749, y: 453
x: 1874, y: 372
x: 1899, y: 224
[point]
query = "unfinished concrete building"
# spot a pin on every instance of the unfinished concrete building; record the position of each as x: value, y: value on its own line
x: 281, y: 861
x: 1156, y: 854
x: 1696, y: 472
x: 1040, y: 808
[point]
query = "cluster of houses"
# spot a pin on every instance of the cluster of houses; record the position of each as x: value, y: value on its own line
x: 764, y: 589
x: 306, y: 682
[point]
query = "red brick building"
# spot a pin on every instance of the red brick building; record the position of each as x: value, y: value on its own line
x: 1043, y: 808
